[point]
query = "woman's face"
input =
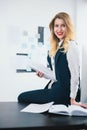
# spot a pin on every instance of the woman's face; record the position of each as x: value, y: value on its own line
x: 60, y: 29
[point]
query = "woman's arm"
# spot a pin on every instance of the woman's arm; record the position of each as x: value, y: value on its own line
x: 74, y: 67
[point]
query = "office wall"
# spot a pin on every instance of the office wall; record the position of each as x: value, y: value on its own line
x: 82, y: 39
x: 16, y: 15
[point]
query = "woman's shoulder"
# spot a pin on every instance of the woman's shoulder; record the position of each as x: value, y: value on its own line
x: 73, y: 47
x: 73, y: 44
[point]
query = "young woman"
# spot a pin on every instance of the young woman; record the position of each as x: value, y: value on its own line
x: 63, y: 59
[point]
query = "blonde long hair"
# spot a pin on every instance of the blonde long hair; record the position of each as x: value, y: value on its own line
x: 69, y: 36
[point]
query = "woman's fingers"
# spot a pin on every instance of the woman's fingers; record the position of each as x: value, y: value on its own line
x: 40, y: 74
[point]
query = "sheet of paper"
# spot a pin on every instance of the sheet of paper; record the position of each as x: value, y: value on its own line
x: 37, y: 108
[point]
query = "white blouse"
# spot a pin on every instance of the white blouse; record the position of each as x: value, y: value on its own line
x: 73, y: 58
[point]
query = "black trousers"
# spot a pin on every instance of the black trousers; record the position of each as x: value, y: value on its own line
x: 57, y: 94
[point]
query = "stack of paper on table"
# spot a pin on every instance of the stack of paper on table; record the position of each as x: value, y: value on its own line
x: 71, y: 110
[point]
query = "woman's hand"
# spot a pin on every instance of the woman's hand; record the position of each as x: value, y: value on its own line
x: 40, y: 74
x: 73, y: 102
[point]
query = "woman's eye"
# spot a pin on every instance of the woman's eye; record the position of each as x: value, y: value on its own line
x: 56, y: 25
x: 63, y: 25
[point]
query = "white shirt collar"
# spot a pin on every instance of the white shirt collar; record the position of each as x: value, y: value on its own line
x: 60, y: 43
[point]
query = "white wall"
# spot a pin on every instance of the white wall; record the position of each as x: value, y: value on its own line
x: 17, y: 15
x: 82, y: 39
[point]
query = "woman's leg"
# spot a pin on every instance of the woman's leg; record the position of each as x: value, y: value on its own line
x: 57, y: 94
x: 34, y: 96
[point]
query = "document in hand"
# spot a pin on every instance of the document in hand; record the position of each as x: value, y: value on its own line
x: 71, y: 110
x: 40, y: 67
